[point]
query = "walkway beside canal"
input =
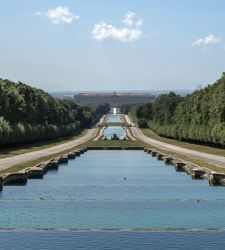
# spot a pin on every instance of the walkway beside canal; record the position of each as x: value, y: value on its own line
x: 27, y: 157
x: 210, y: 158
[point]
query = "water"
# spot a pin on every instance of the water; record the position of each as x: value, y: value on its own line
x: 94, y: 195
x: 114, y: 118
x: 112, y: 240
x: 111, y: 130
x: 127, y: 199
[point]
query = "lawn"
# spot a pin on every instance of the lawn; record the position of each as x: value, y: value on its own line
x: 7, y: 152
x: 119, y: 144
x: 201, y: 148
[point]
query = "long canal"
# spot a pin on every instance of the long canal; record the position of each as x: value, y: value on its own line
x: 115, y: 128
x: 116, y: 190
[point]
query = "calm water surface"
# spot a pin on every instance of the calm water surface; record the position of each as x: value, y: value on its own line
x: 114, y: 119
x: 110, y: 240
x: 111, y: 130
x: 114, y: 191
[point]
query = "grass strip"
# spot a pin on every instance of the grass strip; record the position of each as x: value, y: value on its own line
x: 115, y: 144
x: 35, y: 162
x: 201, y: 148
x: 39, y: 145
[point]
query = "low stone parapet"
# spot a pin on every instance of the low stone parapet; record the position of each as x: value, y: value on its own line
x: 77, y: 153
x: 217, y: 179
x: 63, y: 159
x: 38, y: 171
x: 168, y: 160
x: 154, y: 153
x: 35, y: 172
x: 179, y: 165
x: 160, y: 157
x: 1, y: 183
x: 71, y: 155
x: 19, y: 178
x: 53, y: 164
x: 197, y: 172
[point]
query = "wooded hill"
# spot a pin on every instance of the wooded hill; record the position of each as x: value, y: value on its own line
x: 199, y: 117
x: 29, y: 114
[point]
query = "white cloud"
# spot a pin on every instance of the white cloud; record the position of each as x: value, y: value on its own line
x: 209, y: 40
x: 139, y: 22
x: 103, y: 31
x: 59, y: 15
x: 129, y: 18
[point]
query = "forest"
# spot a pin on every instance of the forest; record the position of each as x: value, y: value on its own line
x: 198, y: 117
x: 29, y: 114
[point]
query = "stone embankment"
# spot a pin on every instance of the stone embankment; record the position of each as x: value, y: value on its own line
x: 19, y: 159
x: 38, y: 171
x: 201, y: 156
x: 195, y: 171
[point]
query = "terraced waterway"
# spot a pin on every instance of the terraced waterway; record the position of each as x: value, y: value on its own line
x: 114, y: 190
x: 111, y: 130
x: 114, y: 119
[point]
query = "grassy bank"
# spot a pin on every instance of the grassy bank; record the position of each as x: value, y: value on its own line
x: 188, y: 159
x: 201, y: 148
x: 138, y: 143
x: 107, y: 144
x: 39, y: 145
x: 37, y: 161
x: 114, y: 144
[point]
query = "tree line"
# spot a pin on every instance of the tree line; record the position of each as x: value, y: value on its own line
x: 29, y: 114
x: 198, y: 117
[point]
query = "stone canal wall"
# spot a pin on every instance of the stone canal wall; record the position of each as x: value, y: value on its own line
x: 38, y: 171
x: 195, y: 171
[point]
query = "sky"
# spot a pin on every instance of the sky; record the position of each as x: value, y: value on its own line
x: 93, y: 45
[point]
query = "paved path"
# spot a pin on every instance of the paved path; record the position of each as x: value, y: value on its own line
x: 129, y: 121
x: 100, y: 134
x: 213, y: 159
x: 23, y: 158
x: 129, y: 135
x: 102, y: 120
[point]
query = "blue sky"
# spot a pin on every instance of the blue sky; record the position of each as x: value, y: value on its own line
x: 112, y: 45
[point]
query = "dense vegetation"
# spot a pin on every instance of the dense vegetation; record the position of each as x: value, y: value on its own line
x: 126, y: 108
x: 28, y: 114
x: 198, y: 117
